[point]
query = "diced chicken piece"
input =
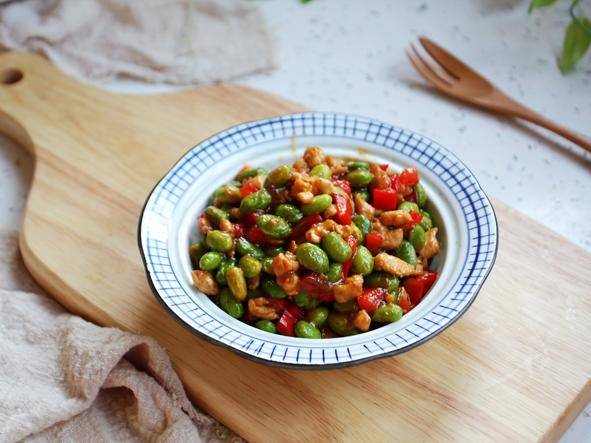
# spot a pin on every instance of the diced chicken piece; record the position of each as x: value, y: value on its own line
x: 284, y: 263
x: 301, y: 183
x: 204, y: 225
x: 204, y: 281
x: 305, y: 198
x: 313, y: 156
x: 431, y: 247
x: 381, y: 179
x: 353, y: 287
x: 329, y: 212
x: 396, y: 218
x: 364, y: 208
x: 362, y: 320
x: 319, y: 230
x: 392, y: 237
x: 254, y: 282
x: 396, y: 266
x: 289, y: 282
x: 321, y: 185
x: 300, y: 165
x: 226, y: 225
x: 261, y: 307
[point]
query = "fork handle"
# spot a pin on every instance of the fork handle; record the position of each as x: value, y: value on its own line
x: 531, y: 116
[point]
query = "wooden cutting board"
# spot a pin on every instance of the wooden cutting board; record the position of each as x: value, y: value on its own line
x: 515, y: 367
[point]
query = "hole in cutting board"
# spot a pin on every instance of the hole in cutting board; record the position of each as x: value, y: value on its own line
x: 10, y: 76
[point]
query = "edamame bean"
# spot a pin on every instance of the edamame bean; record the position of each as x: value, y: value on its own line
x: 250, y: 266
x: 210, y: 261
x: 302, y: 299
x: 266, y: 325
x: 363, y: 223
x: 382, y: 280
x: 358, y: 165
x: 304, y: 329
x: 219, y: 241
x: 279, y: 176
x: 229, y: 193
x: 318, y: 205
x: 406, y: 252
x: 244, y: 247
x: 417, y: 237
x: 318, y: 316
x: 273, y: 226
x: 271, y: 287
x: 268, y: 265
x: 322, y: 171
x: 362, y: 261
x: 274, y: 251
x: 237, y: 283
x: 335, y: 272
x: 196, y: 251
x: 427, y: 222
x: 387, y: 313
x: 289, y: 212
x: 339, y: 323
x: 251, y: 172
x: 220, y: 276
x: 359, y: 178
x: 259, y: 200
x: 408, y: 206
x: 336, y: 247
x: 312, y: 257
x: 345, y: 307
x: 229, y: 304
x: 421, y: 195
x: 216, y: 215
x: 363, y: 194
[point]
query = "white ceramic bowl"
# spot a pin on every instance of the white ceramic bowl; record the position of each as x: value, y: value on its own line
x: 168, y: 224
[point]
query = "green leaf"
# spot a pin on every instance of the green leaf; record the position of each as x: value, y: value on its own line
x: 576, y: 43
x: 535, y: 4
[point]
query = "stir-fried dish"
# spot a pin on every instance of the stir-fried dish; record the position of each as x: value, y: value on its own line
x: 324, y: 248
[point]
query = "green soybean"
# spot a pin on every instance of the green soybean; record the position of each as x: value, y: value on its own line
x: 216, y: 215
x: 251, y: 172
x: 250, y: 266
x: 408, y: 206
x: 259, y: 200
x: 318, y: 316
x: 339, y: 323
x: 229, y: 193
x: 417, y: 237
x: 220, y: 276
x: 229, y: 304
x: 387, y: 313
x: 219, y: 241
x: 360, y: 178
x: 407, y: 253
x: 335, y: 272
x: 363, y: 194
x: 302, y: 299
x: 304, y: 329
x: 345, y: 307
x: 336, y: 247
x: 322, y: 171
x: 210, y: 261
x: 362, y: 261
x: 273, y: 226
x: 237, y: 283
x: 427, y: 222
x: 279, y: 176
x: 273, y: 251
x: 358, y: 165
x: 318, y: 205
x: 266, y: 325
x: 312, y: 257
x: 289, y: 212
x: 421, y: 195
x: 268, y: 265
x: 271, y: 287
x: 382, y: 280
x: 363, y: 223
x: 244, y: 247
x: 196, y: 251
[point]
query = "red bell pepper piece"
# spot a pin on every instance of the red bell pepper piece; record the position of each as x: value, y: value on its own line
x: 303, y: 225
x: 251, y: 218
x: 404, y: 302
x: 385, y: 199
x: 295, y: 311
x: 384, y: 167
x: 395, y: 183
x: 344, y: 185
x: 374, y: 241
x: 352, y: 241
x: 409, y: 177
x: 256, y: 236
x: 344, y: 209
x: 417, y: 287
x: 371, y: 299
x: 286, y: 323
x: 318, y: 286
x: 248, y: 188
x: 238, y: 230
x: 279, y: 304
x: 416, y: 219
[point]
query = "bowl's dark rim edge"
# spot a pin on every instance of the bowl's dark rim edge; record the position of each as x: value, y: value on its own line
x: 298, y: 366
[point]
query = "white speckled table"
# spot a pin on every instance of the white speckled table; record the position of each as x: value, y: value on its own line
x: 347, y: 55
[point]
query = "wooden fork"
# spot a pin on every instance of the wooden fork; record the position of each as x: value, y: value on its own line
x: 453, y: 77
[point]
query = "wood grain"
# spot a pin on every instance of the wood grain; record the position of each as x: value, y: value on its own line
x: 515, y: 367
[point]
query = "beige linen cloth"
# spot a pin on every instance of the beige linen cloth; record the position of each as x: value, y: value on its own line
x: 163, y: 41
x: 65, y: 379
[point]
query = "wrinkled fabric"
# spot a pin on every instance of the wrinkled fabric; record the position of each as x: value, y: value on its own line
x: 65, y: 379
x: 184, y: 42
